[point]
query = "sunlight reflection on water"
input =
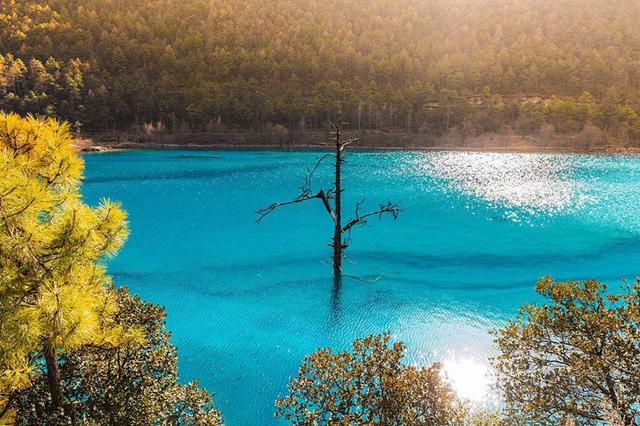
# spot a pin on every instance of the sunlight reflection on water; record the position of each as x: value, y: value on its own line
x: 530, y: 183
x: 246, y: 303
x: 465, y: 362
x: 470, y: 379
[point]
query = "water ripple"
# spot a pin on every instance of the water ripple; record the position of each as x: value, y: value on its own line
x: 188, y: 174
x: 246, y: 303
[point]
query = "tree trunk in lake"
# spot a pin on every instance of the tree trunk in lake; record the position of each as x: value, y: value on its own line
x: 336, y: 297
x: 337, y: 229
x: 334, y: 194
x: 53, y: 377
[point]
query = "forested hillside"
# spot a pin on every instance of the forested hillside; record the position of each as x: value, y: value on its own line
x: 427, y: 66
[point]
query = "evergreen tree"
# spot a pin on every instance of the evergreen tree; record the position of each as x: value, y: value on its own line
x: 132, y: 383
x: 54, y: 293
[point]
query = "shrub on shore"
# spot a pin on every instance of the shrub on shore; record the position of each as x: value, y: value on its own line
x: 575, y: 357
x: 133, y: 383
x: 572, y: 361
x: 369, y: 385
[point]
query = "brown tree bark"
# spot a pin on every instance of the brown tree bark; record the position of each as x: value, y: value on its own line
x: 54, y: 379
x: 337, y: 229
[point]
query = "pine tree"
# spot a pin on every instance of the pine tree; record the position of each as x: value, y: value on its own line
x: 54, y: 294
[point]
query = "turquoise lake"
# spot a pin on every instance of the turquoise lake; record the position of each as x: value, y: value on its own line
x: 245, y: 302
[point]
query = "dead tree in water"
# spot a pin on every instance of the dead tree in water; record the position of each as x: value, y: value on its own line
x: 332, y: 200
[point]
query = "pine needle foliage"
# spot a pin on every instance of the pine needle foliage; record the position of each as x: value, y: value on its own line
x: 54, y: 290
x: 130, y: 384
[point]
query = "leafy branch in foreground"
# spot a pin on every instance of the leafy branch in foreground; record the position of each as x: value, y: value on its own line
x: 134, y: 384
x: 369, y: 385
x: 334, y: 194
x: 576, y: 357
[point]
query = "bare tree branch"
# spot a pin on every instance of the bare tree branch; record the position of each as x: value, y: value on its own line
x: 304, y: 196
x: 334, y: 193
x: 307, y: 181
x: 325, y: 200
x: 348, y: 142
x: 359, y: 220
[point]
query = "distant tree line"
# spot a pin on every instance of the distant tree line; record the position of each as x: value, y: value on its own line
x: 427, y: 66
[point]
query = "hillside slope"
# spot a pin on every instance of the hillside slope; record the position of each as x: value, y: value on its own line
x: 427, y: 66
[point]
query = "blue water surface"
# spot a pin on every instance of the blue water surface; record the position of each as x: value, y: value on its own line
x: 246, y: 302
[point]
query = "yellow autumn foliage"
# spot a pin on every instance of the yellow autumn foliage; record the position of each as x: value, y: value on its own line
x: 54, y: 290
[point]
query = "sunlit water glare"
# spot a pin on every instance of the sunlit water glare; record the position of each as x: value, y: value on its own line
x: 534, y: 183
x: 246, y: 302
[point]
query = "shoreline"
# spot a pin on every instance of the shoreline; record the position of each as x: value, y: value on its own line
x: 100, y: 148
x: 369, y: 140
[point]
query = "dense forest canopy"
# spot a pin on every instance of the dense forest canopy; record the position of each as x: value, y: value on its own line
x: 415, y: 64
